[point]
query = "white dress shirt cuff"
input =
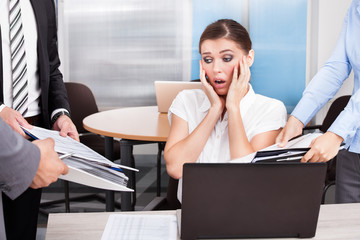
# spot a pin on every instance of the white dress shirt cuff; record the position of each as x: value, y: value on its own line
x: 2, y: 106
x: 58, y: 110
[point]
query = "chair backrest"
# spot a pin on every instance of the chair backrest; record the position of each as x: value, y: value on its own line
x: 82, y: 103
x: 336, y: 107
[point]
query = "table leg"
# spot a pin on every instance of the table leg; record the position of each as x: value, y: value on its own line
x: 161, y: 146
x: 126, y: 149
x: 109, y: 154
x: 67, y: 196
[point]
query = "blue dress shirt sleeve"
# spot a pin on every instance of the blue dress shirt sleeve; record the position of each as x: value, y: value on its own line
x: 331, y: 76
x: 326, y: 82
x: 347, y: 124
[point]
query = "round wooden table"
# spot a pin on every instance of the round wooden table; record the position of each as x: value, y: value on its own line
x: 134, y: 125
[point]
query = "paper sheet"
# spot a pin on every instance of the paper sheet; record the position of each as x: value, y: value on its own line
x: 140, y: 226
x: 68, y: 145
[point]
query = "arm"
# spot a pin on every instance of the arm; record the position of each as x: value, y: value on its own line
x: 238, y: 142
x: 57, y: 91
x: 19, y: 162
x: 238, y: 89
x: 347, y: 123
x: 57, y: 95
x: 326, y: 82
x: 321, y: 89
x: 344, y: 128
x: 25, y: 164
x: 182, y: 147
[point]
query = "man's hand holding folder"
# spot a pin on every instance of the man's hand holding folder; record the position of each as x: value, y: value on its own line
x: 321, y: 149
x: 294, y: 150
x: 50, y: 166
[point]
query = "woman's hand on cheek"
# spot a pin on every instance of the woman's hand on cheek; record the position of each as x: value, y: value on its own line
x: 239, y: 85
x: 213, y: 97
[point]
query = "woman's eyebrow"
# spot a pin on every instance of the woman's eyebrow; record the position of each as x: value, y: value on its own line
x: 206, y: 53
x: 226, y: 50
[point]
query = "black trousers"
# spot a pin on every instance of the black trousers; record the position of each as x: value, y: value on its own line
x: 21, y: 214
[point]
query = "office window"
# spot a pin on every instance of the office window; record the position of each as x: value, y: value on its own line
x: 206, y: 12
x: 118, y: 48
x: 278, y: 32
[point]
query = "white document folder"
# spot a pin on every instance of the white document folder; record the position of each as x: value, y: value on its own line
x: 294, y: 150
x: 86, y: 166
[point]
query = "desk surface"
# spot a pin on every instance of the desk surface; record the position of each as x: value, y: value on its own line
x: 336, y: 221
x: 134, y: 123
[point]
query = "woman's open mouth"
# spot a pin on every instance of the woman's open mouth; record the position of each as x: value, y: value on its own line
x: 218, y: 83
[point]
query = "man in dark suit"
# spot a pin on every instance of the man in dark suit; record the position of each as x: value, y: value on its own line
x: 45, y: 101
x: 25, y: 164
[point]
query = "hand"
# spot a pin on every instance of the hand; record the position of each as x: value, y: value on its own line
x: 13, y: 118
x: 50, y: 166
x: 215, y: 100
x: 66, y: 127
x: 323, y: 148
x: 239, y: 85
x: 292, y: 129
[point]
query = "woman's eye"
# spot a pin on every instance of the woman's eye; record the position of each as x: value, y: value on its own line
x: 227, y: 59
x: 207, y: 60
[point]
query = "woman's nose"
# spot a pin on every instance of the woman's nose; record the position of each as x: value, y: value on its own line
x: 217, y: 66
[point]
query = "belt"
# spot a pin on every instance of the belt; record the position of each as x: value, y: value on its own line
x: 34, y: 119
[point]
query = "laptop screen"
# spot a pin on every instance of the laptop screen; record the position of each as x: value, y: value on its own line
x: 225, y: 200
x: 166, y: 92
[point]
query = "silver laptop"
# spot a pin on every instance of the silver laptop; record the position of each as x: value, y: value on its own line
x: 258, y: 200
x: 166, y: 91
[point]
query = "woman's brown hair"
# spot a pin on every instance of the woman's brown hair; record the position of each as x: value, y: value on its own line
x: 228, y: 29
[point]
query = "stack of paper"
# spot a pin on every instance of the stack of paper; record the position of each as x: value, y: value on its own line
x: 86, y: 166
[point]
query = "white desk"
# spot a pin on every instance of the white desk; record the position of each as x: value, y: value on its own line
x: 340, y: 222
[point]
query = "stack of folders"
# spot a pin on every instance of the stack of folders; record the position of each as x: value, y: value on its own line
x: 293, y: 151
x: 86, y: 166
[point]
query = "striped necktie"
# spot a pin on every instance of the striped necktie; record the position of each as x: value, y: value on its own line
x: 18, y: 58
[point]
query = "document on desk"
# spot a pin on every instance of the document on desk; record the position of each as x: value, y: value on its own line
x: 293, y: 151
x: 86, y: 166
x: 140, y: 226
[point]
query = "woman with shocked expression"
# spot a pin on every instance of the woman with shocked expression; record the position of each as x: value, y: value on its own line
x: 226, y: 119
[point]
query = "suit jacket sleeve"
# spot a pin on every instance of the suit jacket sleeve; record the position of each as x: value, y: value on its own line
x: 57, y: 92
x: 19, y: 162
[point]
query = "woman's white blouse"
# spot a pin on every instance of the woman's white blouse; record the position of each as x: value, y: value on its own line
x: 259, y: 114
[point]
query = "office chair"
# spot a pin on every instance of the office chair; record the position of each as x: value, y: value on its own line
x: 336, y: 107
x: 82, y: 104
